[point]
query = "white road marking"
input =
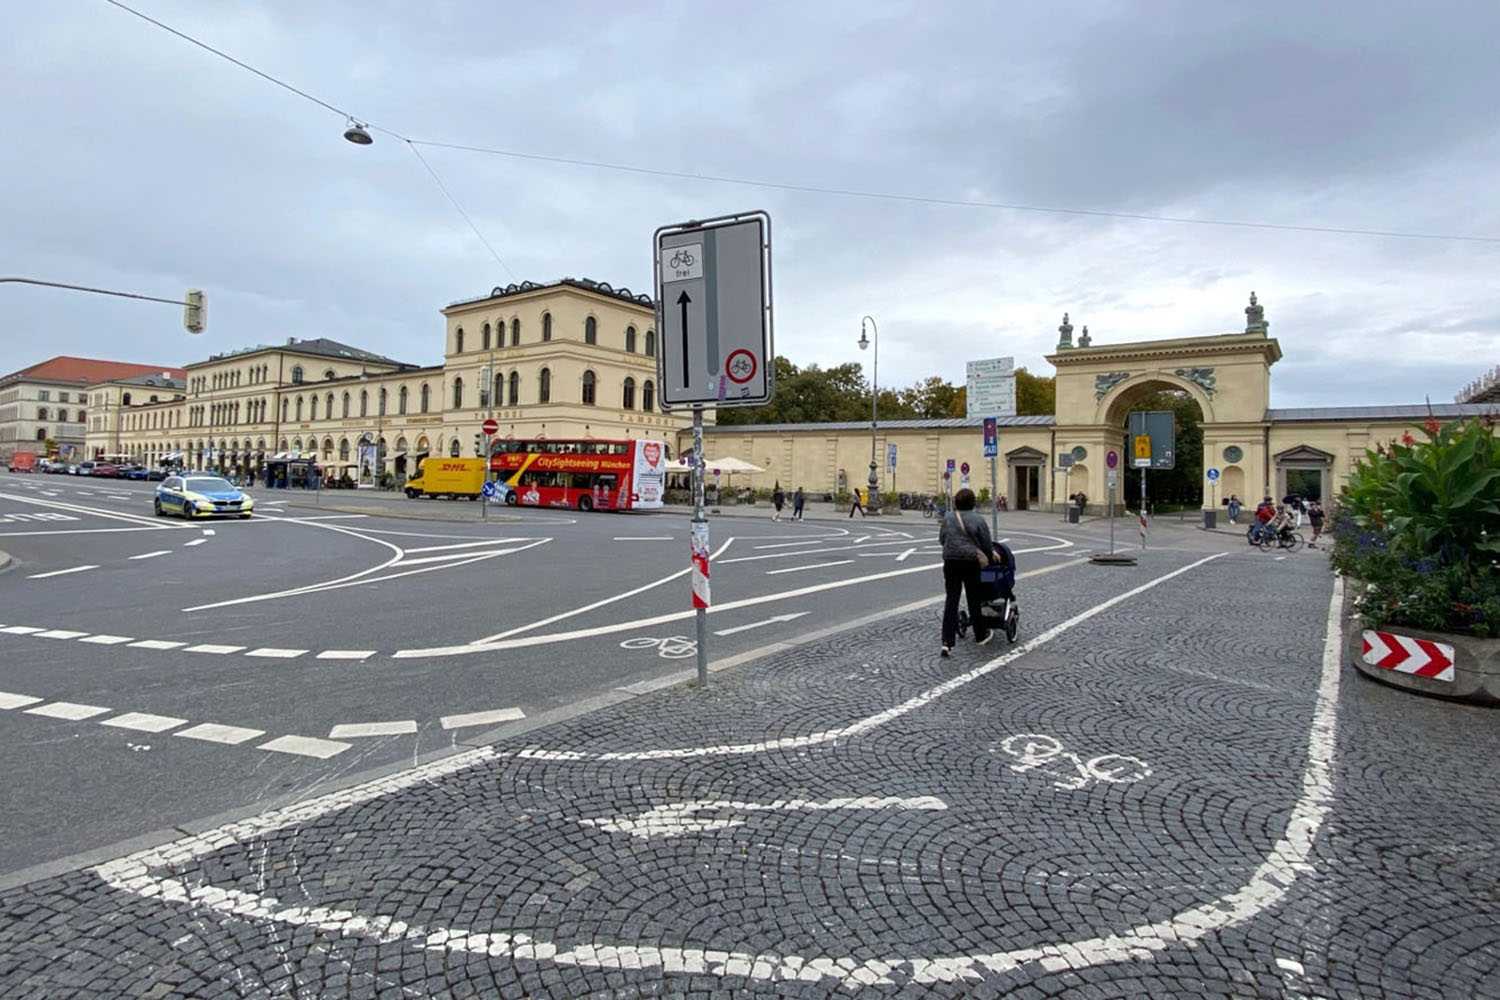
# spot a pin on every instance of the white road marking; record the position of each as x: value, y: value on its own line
x: 9, y: 700
x: 196, y: 541
x: 153, y: 555
x: 67, y: 710
x: 60, y: 572
x: 902, y: 556
x: 346, y: 654
x: 157, y: 644
x: 643, y: 538
x: 108, y: 640
x: 207, y: 647
x: 212, y: 732
x: 481, y: 718
x: 144, y: 722
x: 305, y: 746
x: 327, y: 517
x: 798, y: 569
x: 279, y: 654
x: 59, y: 633
x: 1267, y: 886
x: 768, y: 621
x: 354, y: 730
x: 677, y: 818
x: 21, y: 629
x: 208, y: 532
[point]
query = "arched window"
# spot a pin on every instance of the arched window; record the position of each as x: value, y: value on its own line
x: 312, y: 408
x: 41, y: 413
x: 589, y: 383
x: 328, y: 405
x: 630, y: 339
x: 328, y: 449
x: 401, y: 401
x: 484, y: 338
x: 296, y: 375
x: 515, y: 333
x: 41, y: 433
x: 297, y: 444
x: 458, y: 341
x: 328, y: 375
x: 453, y: 448
x: 381, y: 408
x: 590, y: 331
x: 364, y: 403
x: 426, y: 397
x: 515, y: 388
x: 299, y: 409
x: 546, y: 326
x: 648, y: 394
x: 458, y: 393
x: 627, y: 397
x: 650, y: 346
x: 498, y: 390
x: 544, y: 387
x: 346, y: 406
x: 124, y: 400
x: 343, y: 449
x: 284, y: 404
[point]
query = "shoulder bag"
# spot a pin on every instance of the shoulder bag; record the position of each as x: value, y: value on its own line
x: 984, y: 558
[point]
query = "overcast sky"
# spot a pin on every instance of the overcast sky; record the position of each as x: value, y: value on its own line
x: 136, y: 161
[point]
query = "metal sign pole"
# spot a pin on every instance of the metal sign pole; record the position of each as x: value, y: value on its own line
x: 1111, y: 515
x: 700, y: 549
x: 1143, y: 509
x: 484, y: 501
x: 994, y: 503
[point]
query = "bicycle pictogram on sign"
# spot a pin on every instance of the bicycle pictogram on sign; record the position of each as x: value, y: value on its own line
x: 682, y: 258
x: 740, y: 366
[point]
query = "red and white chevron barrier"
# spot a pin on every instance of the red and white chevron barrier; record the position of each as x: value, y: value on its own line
x: 700, y: 579
x: 1406, y: 655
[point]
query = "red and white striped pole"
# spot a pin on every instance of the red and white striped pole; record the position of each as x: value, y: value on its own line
x: 700, y: 549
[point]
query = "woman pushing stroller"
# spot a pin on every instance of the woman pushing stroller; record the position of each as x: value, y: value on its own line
x: 967, y: 546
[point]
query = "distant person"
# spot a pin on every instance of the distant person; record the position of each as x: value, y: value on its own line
x: 1265, y: 511
x: 1315, y: 518
x: 1234, y: 508
x: 967, y: 547
x: 778, y: 499
x: 857, y: 505
x: 798, y: 500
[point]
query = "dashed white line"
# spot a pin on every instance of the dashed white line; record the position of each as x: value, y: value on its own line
x: 346, y: 654
x: 354, y: 730
x: 108, y: 640
x: 196, y: 541
x: 59, y: 633
x: 144, y: 722
x: 9, y: 700
x: 481, y: 718
x: 798, y: 569
x: 208, y: 647
x: 305, y: 746
x: 67, y: 710
x: 279, y: 654
x: 60, y: 572
x: 212, y: 732
x: 157, y: 644
x: 153, y: 555
x: 643, y: 538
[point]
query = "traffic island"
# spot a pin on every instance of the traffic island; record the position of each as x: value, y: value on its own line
x: 1442, y: 664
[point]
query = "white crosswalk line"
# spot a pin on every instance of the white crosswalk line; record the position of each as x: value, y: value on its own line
x: 22, y: 629
x: 153, y: 555
x: 144, y: 722
x: 67, y: 710
x: 481, y: 718
x: 108, y: 640
x: 212, y: 732
x: 279, y: 654
x: 9, y: 700
x: 354, y: 730
x: 196, y: 541
x: 60, y: 572
x: 59, y: 633
x: 157, y: 644
x: 305, y: 746
x: 346, y: 654
x: 208, y: 647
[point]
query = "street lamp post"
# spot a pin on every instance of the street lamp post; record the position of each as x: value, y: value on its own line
x: 872, y: 502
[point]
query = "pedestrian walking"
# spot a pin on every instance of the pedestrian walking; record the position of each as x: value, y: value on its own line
x: 857, y: 505
x: 967, y: 547
x: 778, y: 498
x: 1315, y: 518
x: 798, y: 500
x: 1234, y: 508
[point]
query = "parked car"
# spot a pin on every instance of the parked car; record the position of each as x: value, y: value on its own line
x: 84, y: 468
x: 102, y: 470
x: 195, y: 496
x: 136, y: 472
x: 59, y: 468
x: 156, y: 475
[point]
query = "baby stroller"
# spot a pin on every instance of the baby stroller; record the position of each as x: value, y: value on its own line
x: 998, y: 605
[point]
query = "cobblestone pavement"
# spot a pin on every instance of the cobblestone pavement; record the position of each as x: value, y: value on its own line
x: 1169, y: 787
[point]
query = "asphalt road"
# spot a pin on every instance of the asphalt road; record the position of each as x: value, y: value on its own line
x: 416, y: 622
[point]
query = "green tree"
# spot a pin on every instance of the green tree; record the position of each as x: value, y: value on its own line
x: 1036, y: 395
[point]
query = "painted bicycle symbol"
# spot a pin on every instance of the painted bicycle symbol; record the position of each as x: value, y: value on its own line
x: 1037, y: 751
x: 682, y: 258
x: 671, y: 647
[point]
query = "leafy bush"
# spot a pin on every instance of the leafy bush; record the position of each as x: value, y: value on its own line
x: 1419, y: 524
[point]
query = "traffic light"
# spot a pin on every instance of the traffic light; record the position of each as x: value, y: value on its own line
x: 195, y: 311
x: 479, y: 444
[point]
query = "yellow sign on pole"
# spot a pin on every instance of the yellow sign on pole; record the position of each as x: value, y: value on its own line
x: 1143, y: 446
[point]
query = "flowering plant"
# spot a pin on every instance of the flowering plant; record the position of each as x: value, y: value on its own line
x: 1419, y: 523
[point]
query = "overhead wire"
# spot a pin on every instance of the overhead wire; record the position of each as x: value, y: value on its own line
x: 801, y: 188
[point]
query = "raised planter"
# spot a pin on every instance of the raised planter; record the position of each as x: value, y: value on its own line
x: 1443, y: 664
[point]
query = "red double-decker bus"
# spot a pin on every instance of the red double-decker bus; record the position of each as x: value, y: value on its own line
x: 582, y: 475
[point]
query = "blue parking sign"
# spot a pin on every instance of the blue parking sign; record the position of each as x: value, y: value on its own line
x: 991, y: 443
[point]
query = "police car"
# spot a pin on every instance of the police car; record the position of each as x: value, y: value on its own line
x: 194, y: 495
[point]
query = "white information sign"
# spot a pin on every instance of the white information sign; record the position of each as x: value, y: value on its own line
x: 713, y: 312
x: 991, y: 388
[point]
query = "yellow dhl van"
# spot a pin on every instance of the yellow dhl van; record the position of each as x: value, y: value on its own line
x: 447, y: 477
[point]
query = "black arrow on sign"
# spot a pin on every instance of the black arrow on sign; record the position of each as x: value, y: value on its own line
x: 683, y: 300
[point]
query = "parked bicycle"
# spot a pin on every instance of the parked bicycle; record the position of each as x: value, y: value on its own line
x: 934, y: 508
